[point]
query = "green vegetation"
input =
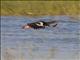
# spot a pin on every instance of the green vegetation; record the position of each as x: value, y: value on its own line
x: 39, y: 8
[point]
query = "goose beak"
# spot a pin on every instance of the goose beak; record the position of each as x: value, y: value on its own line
x: 26, y: 27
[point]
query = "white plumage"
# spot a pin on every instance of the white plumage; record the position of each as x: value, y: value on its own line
x: 40, y: 24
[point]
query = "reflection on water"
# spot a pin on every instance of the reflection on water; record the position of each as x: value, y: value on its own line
x: 59, y: 43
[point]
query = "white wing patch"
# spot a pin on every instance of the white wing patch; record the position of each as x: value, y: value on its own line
x: 40, y: 24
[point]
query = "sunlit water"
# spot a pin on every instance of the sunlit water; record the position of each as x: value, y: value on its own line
x: 59, y: 43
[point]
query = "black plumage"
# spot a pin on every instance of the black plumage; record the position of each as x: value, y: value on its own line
x: 40, y: 24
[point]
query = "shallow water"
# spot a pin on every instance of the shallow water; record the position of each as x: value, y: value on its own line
x: 59, y: 43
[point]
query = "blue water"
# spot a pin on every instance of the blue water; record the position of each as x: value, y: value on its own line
x: 59, y: 43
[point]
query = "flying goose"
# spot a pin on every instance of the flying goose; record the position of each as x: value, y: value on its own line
x: 39, y: 25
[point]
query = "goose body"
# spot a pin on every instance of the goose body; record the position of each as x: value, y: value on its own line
x: 38, y: 25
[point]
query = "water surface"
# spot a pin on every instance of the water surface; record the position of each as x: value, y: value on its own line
x: 59, y: 43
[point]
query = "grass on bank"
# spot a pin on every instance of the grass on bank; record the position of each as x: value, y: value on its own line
x: 39, y: 8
